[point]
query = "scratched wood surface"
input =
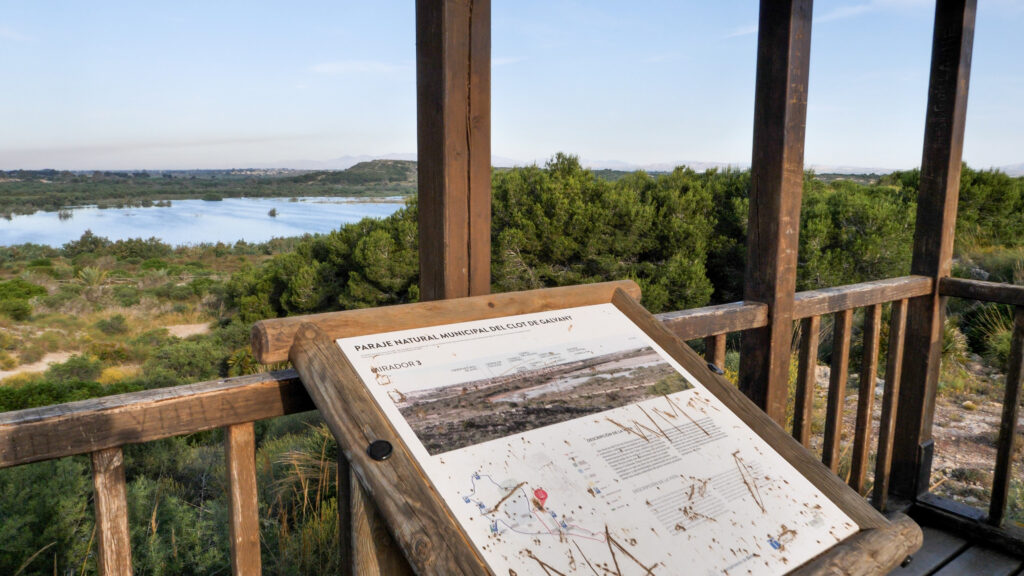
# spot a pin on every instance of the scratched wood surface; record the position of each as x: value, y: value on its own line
x: 243, y: 509
x: 113, y: 547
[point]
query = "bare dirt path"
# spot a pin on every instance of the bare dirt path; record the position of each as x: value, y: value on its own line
x: 186, y: 330
x: 41, y: 366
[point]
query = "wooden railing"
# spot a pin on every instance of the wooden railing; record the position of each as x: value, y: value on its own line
x: 101, y: 426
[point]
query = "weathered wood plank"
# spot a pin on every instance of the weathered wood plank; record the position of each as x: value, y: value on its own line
x: 938, y: 548
x: 91, y: 425
x: 374, y: 551
x: 271, y: 339
x: 933, y: 240
x: 859, y: 510
x: 1008, y: 424
x: 113, y: 545
x: 712, y: 320
x: 1011, y: 294
x: 420, y: 523
x: 861, y: 295
x: 345, y: 518
x: 777, y: 172
x: 978, y: 561
x: 866, y: 397
x: 839, y: 373
x: 714, y: 350
x: 867, y: 553
x: 803, y: 403
x: 243, y: 508
x: 453, y: 81
x: 890, y: 395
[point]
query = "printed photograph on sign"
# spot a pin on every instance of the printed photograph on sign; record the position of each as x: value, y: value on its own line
x: 535, y: 389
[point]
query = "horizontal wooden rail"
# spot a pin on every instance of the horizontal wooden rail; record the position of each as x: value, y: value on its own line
x: 272, y: 339
x: 100, y: 423
x: 711, y: 320
x: 986, y: 291
x: 839, y: 298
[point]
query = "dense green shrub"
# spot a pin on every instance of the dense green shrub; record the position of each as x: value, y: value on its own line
x: 19, y: 289
x: 78, y: 368
x: 18, y: 310
x: 116, y: 324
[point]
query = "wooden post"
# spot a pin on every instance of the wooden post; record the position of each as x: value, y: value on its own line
x: 1008, y: 424
x: 866, y: 397
x: 243, y: 508
x: 374, y: 551
x: 453, y: 89
x: 777, y: 171
x: 838, y: 374
x: 933, y: 242
x: 111, y: 499
x: 803, y: 407
x: 714, y: 350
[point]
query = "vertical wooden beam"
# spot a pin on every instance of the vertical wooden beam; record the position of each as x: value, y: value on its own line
x: 866, y: 397
x: 345, y: 519
x: 374, y: 551
x: 803, y: 405
x: 453, y: 89
x: 714, y: 350
x: 933, y: 241
x: 111, y: 500
x: 777, y: 171
x: 838, y: 373
x: 1008, y: 424
x: 887, y: 423
x: 243, y: 508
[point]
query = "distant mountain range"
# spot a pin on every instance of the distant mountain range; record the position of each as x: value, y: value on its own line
x: 346, y: 162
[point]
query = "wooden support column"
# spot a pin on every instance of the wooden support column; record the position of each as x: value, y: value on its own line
x: 243, y: 506
x: 933, y: 242
x: 777, y: 171
x: 1008, y: 424
x: 453, y: 90
x: 113, y: 544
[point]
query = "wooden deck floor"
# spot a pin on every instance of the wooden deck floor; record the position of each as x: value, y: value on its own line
x: 944, y: 554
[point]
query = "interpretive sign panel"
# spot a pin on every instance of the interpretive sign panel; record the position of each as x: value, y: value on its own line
x: 569, y: 442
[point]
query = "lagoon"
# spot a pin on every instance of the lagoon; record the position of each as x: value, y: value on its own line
x: 188, y: 222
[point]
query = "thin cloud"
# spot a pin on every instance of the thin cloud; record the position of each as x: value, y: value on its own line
x: 742, y: 31
x: 7, y: 33
x: 341, y: 67
x: 505, y: 61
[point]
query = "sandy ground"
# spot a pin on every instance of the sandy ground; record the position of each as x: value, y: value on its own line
x: 186, y: 330
x: 42, y: 365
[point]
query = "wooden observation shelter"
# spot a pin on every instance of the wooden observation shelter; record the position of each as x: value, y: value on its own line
x: 453, y: 94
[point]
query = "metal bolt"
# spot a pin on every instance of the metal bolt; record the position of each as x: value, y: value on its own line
x: 379, y: 450
x: 715, y: 369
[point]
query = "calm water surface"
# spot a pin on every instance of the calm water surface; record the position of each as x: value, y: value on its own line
x: 197, y: 221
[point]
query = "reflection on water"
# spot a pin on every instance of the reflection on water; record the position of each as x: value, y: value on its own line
x: 196, y: 221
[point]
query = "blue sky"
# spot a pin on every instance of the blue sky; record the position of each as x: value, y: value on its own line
x: 124, y: 85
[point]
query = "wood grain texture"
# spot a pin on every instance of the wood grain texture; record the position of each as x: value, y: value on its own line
x: 243, y: 508
x: 96, y: 424
x: 890, y: 396
x: 869, y: 552
x: 374, y: 551
x: 453, y: 92
x: 839, y: 372
x: 345, y: 519
x: 803, y: 402
x: 945, y: 119
x: 821, y: 477
x: 272, y: 339
x: 776, y: 174
x: 978, y: 561
x: 866, y: 397
x: 1011, y: 294
x: 863, y: 294
x: 113, y: 546
x: 712, y: 320
x: 1008, y: 423
x: 714, y: 350
x: 421, y: 524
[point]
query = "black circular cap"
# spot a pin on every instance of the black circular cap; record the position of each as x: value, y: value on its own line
x: 379, y: 450
x: 715, y: 369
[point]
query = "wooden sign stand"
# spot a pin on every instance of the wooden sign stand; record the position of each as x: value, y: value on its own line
x: 415, y: 514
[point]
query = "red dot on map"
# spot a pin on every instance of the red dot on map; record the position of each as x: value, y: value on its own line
x: 540, y: 495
